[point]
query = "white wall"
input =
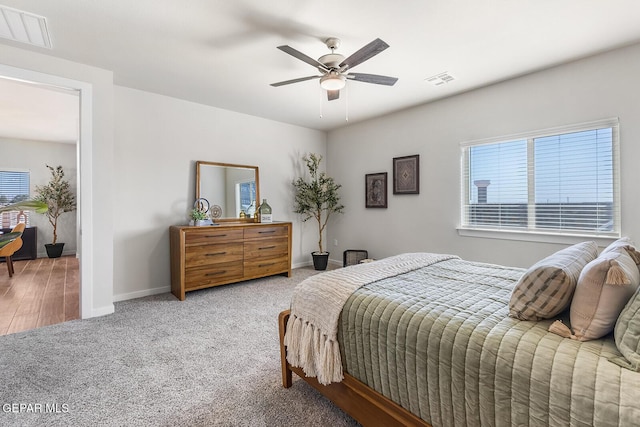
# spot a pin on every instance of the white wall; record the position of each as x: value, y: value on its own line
x: 99, y: 143
x: 158, y: 139
x: 34, y: 156
x: 595, y: 88
x: 143, y: 167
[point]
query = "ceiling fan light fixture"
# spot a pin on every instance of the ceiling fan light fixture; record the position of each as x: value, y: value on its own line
x: 333, y: 81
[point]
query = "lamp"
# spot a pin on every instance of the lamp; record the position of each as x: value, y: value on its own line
x: 333, y: 81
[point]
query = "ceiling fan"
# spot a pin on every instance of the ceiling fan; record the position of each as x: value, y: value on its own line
x: 335, y: 68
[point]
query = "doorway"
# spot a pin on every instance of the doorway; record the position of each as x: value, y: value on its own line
x: 84, y: 227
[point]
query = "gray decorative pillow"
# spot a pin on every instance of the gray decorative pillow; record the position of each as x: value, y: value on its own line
x: 627, y: 335
x: 546, y: 288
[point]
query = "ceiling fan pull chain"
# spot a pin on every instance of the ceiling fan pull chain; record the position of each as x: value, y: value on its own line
x: 321, y: 95
x: 346, y: 108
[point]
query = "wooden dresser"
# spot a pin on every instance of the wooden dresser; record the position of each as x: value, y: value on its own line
x: 202, y: 257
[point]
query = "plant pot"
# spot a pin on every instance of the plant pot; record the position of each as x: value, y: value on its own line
x: 320, y: 260
x: 54, y: 251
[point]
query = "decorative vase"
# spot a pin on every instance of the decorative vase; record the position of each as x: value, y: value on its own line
x: 265, y: 212
x: 54, y: 251
x: 320, y: 260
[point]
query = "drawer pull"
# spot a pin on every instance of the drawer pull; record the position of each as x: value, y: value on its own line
x: 216, y: 253
x: 217, y: 273
x: 267, y: 247
x: 215, y: 235
x: 266, y: 265
x: 267, y: 232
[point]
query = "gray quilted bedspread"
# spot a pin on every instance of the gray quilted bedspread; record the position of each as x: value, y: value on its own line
x: 438, y: 341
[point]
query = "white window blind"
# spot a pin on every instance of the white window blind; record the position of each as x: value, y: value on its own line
x: 560, y: 181
x: 14, y: 187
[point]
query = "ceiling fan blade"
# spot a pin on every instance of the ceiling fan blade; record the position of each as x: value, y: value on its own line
x: 288, y: 82
x: 367, y: 52
x: 333, y: 94
x: 301, y: 56
x: 373, y: 78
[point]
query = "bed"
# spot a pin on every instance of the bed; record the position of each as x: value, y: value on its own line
x: 428, y: 339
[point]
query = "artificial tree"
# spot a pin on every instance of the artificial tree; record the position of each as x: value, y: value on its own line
x: 317, y: 198
x: 59, y: 198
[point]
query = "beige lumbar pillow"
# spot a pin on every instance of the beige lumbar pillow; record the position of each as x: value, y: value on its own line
x: 546, y: 288
x: 605, y: 286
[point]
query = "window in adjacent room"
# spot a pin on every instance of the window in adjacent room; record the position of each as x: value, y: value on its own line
x: 561, y: 181
x: 14, y: 187
x: 246, y: 191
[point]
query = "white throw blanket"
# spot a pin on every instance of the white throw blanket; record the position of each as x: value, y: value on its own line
x: 312, y: 329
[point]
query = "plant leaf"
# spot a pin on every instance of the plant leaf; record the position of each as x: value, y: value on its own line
x: 26, y: 205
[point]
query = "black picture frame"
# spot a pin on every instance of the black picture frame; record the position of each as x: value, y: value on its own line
x: 406, y: 174
x: 375, y: 190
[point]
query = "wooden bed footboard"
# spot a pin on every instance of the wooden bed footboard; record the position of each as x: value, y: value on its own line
x: 361, y: 402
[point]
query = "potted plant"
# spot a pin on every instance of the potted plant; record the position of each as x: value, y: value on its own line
x: 58, y: 197
x: 198, y: 216
x: 317, y: 198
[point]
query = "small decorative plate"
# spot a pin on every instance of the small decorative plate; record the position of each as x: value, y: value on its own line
x: 216, y: 212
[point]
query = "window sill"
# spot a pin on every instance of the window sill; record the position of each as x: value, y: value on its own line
x: 527, y: 236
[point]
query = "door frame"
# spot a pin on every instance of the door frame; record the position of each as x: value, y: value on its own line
x: 84, y: 227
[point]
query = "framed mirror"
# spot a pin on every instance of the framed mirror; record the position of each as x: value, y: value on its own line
x: 232, y: 187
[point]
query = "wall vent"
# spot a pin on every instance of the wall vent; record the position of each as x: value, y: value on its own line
x: 440, y: 79
x: 24, y: 27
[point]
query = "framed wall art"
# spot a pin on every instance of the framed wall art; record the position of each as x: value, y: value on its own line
x: 376, y: 190
x: 406, y: 175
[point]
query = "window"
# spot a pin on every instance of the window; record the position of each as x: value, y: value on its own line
x: 562, y: 181
x: 14, y: 187
x: 247, y: 194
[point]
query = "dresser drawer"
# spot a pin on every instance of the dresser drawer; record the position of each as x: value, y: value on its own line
x: 212, y: 274
x: 212, y: 235
x: 265, y: 232
x: 266, y: 267
x: 266, y: 249
x: 213, y: 254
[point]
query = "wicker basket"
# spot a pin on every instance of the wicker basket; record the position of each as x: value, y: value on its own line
x: 353, y: 256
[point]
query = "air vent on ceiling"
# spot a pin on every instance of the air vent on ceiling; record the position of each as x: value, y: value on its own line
x: 440, y: 79
x: 24, y: 27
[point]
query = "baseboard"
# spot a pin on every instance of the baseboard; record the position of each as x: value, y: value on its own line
x: 103, y: 311
x: 72, y: 252
x: 302, y: 264
x: 336, y: 262
x: 142, y: 293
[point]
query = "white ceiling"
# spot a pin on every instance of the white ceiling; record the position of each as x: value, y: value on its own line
x: 223, y: 53
x: 38, y: 113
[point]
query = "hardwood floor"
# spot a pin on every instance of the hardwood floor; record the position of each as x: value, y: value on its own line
x: 42, y: 292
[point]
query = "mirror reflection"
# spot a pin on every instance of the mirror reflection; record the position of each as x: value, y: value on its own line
x: 235, y: 188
